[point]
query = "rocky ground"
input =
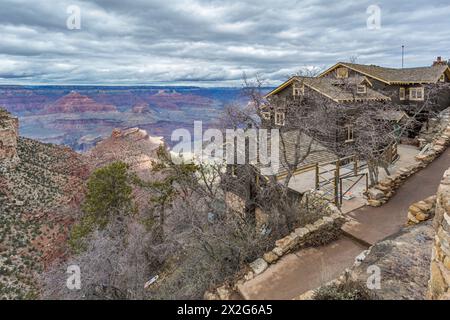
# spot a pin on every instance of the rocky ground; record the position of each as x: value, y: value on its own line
x: 38, y: 195
x: 404, y: 260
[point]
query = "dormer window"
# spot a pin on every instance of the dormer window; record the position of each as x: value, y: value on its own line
x: 442, y: 78
x: 341, y: 73
x: 361, y: 89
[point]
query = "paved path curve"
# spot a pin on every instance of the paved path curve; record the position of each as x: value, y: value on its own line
x: 307, y: 269
x: 374, y: 224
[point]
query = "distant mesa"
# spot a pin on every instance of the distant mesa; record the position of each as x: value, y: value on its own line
x: 141, y: 107
x: 76, y: 103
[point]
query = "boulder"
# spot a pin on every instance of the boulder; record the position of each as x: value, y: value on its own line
x: 412, y: 218
x: 423, y: 206
x: 374, y: 203
x: 211, y: 296
x: 249, y: 276
x: 270, y: 257
x: 286, y: 243
x: 301, y: 232
x: 223, y: 293
x: 375, y: 194
x: 259, y: 266
x: 278, y: 251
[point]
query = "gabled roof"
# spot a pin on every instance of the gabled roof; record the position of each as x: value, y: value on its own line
x: 395, y: 76
x: 392, y: 115
x: 335, y: 89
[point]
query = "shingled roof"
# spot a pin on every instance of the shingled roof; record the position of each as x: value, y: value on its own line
x: 337, y: 90
x: 395, y: 76
x: 289, y: 145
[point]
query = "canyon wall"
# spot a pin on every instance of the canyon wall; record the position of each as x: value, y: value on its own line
x: 9, y: 130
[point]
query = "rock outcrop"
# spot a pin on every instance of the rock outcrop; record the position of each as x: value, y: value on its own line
x: 439, y: 285
x: 9, y: 130
x: 133, y: 146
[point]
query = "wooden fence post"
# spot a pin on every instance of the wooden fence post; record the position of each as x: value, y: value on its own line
x: 317, y: 176
x: 336, y: 183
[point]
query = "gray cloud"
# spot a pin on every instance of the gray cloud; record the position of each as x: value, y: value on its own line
x: 209, y: 42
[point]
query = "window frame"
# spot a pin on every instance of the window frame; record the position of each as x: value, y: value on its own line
x: 415, y: 91
x: 340, y: 76
x: 266, y: 115
x: 298, y: 90
x: 283, y: 116
x: 402, y: 93
x: 358, y: 86
x: 350, y: 133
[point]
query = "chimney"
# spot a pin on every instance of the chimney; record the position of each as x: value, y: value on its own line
x: 439, y: 61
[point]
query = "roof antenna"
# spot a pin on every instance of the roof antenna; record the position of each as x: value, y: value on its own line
x: 403, y: 55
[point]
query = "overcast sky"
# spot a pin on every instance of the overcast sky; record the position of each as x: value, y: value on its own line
x: 194, y: 42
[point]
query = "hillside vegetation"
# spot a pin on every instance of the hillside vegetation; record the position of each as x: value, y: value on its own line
x: 37, y: 194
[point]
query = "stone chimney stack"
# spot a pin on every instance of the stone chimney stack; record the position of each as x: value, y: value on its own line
x: 439, y: 61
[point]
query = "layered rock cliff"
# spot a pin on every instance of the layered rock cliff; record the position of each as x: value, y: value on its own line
x: 9, y: 130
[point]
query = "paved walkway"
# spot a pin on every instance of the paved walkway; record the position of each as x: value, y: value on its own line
x: 302, y: 271
x: 307, y: 269
x: 374, y: 224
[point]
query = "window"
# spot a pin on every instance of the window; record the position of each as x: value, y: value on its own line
x: 402, y: 93
x: 416, y: 94
x: 361, y: 88
x: 442, y: 78
x: 265, y: 115
x: 298, y: 89
x: 341, y: 72
x: 279, y: 118
x: 349, y: 133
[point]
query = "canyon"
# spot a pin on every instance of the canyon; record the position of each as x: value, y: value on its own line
x: 80, y: 116
x: 41, y: 188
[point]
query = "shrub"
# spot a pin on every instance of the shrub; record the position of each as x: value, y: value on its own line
x: 347, y: 290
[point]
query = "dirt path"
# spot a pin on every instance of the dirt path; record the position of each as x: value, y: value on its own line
x: 307, y: 269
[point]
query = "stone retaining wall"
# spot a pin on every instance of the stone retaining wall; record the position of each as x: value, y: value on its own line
x: 422, y: 210
x: 439, y: 285
x: 385, y: 189
x: 300, y: 237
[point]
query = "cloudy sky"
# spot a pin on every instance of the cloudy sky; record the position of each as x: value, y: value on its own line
x: 200, y: 42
